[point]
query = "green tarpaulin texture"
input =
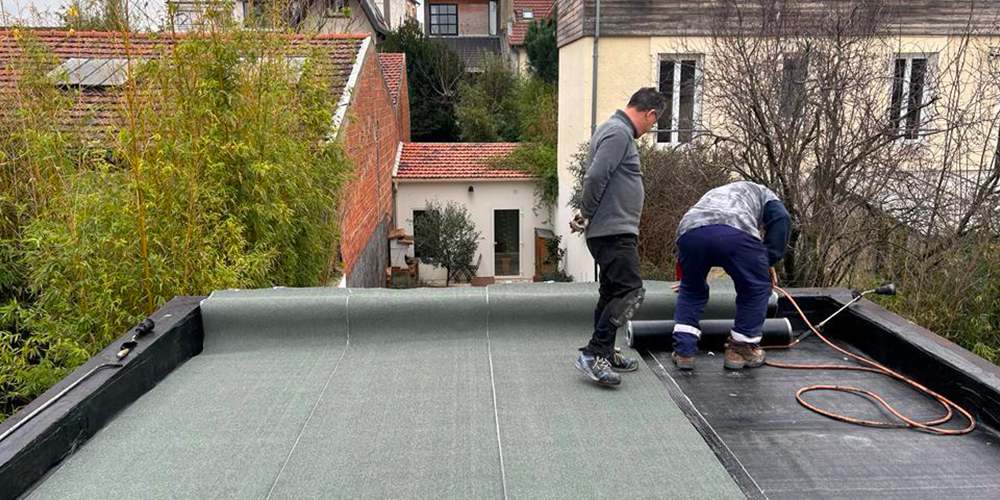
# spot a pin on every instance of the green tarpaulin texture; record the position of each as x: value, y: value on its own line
x: 460, y: 393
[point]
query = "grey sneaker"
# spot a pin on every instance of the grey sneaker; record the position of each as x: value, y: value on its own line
x: 685, y: 363
x: 740, y: 355
x: 620, y: 363
x: 627, y: 306
x: 597, y: 369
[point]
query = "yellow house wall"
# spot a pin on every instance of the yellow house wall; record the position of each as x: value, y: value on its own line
x: 522, y: 60
x: 628, y: 63
x: 574, y: 127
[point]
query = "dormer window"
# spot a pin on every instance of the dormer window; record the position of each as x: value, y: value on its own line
x: 527, y: 14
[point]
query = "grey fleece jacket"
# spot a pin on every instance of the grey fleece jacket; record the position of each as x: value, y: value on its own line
x: 612, y: 186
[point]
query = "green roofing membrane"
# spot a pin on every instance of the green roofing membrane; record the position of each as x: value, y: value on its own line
x: 463, y: 393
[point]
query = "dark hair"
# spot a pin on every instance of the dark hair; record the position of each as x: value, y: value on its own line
x: 648, y: 98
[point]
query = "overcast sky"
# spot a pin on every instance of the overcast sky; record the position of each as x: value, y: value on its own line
x: 44, y: 12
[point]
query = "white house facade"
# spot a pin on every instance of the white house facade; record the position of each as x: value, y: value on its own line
x: 502, y: 204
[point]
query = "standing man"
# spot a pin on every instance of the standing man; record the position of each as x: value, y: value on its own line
x: 722, y: 230
x: 609, y: 216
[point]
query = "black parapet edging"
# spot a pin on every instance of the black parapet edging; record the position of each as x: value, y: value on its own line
x: 908, y: 348
x: 40, y: 444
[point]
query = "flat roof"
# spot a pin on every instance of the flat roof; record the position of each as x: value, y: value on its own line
x: 471, y: 393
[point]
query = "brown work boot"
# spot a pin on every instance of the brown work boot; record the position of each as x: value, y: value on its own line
x: 685, y: 363
x: 740, y: 355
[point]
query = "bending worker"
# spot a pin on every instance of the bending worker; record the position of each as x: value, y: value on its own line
x: 722, y: 230
x: 609, y: 215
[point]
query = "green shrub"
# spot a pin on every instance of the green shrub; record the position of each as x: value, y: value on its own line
x: 433, y: 73
x: 956, y: 295
x: 223, y: 176
x: 537, y: 108
x: 543, y: 52
x: 538, y: 104
x: 488, y: 109
x: 540, y: 161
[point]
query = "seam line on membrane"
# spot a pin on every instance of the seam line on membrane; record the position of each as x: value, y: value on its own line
x: 347, y: 313
x: 493, y: 386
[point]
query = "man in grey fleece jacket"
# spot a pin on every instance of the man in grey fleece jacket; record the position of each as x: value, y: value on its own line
x: 609, y: 215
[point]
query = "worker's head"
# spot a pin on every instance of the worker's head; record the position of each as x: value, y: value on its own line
x: 645, y: 108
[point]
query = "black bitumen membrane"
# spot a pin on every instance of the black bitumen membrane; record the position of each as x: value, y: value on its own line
x: 793, y: 453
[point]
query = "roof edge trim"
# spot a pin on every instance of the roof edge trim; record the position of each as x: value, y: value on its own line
x: 345, y: 97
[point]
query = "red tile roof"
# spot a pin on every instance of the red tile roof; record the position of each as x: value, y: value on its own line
x: 393, y: 68
x: 455, y: 160
x: 540, y: 8
x: 97, y: 110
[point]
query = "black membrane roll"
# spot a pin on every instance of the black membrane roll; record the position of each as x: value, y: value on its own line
x: 658, y: 334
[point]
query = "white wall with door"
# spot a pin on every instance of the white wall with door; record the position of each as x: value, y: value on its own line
x: 504, y: 214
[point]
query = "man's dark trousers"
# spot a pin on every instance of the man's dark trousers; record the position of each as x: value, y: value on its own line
x: 745, y: 260
x: 618, y: 257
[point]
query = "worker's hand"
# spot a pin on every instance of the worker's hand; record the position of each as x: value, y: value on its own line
x: 578, y: 223
x: 774, y: 278
x: 676, y: 287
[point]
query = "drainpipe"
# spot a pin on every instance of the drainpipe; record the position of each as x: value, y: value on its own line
x: 593, y: 96
x: 593, y: 82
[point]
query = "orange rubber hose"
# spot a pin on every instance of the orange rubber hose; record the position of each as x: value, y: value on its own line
x: 874, y: 367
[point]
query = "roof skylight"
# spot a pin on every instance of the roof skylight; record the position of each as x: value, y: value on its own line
x: 92, y: 72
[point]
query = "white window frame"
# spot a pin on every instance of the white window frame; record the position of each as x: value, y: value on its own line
x: 675, y: 107
x: 926, y: 113
x: 493, y: 18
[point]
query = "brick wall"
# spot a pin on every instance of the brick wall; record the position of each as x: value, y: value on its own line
x: 473, y: 16
x: 371, y: 134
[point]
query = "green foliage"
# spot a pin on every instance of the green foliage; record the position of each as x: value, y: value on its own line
x: 538, y: 104
x: 578, y: 169
x: 488, y: 109
x: 657, y: 270
x: 556, y: 254
x: 540, y: 161
x: 543, y: 54
x: 222, y: 176
x: 956, y: 295
x: 447, y: 236
x: 434, y: 73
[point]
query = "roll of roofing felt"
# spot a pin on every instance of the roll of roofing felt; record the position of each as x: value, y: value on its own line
x: 714, y: 332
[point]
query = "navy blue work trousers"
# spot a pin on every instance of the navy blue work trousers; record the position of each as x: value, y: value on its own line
x: 744, y: 258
